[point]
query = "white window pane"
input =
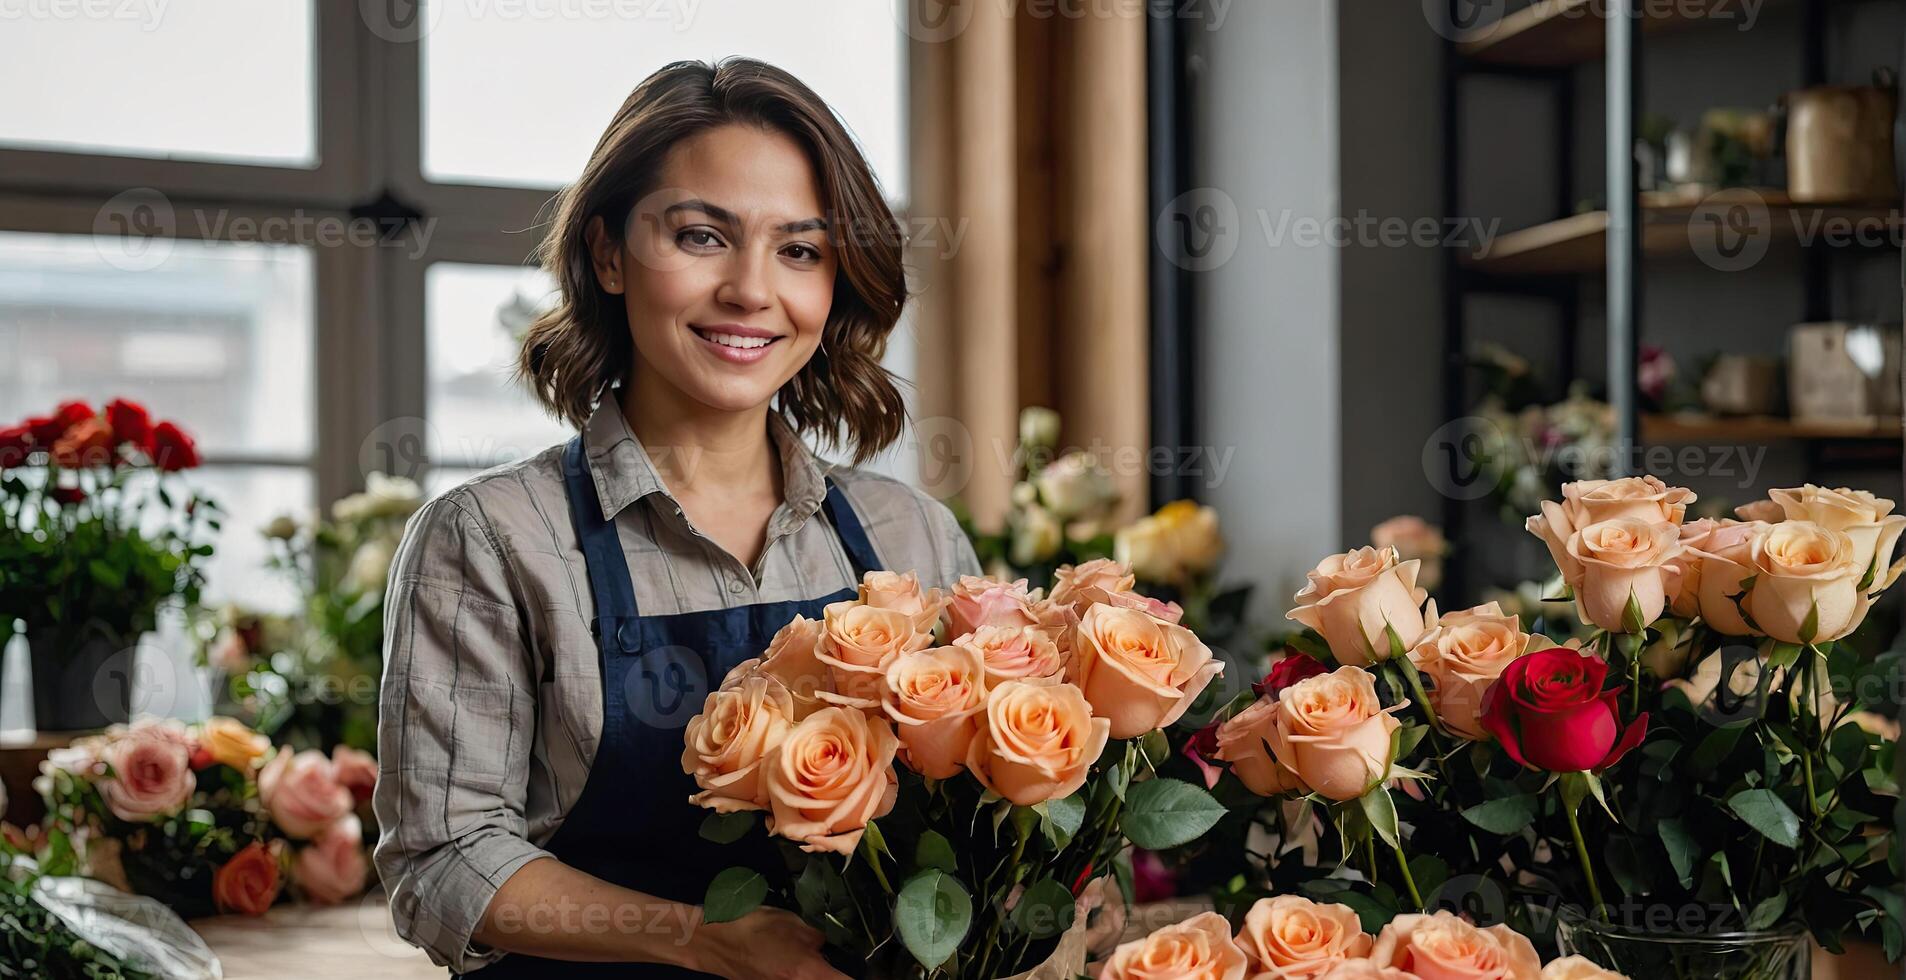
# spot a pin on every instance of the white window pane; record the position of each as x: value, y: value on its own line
x: 441, y: 478
x: 250, y: 496
x: 216, y: 336
x: 478, y: 414
x: 190, y: 79
x: 570, y: 65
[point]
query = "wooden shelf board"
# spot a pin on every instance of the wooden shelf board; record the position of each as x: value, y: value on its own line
x: 1559, y: 33
x: 1668, y: 429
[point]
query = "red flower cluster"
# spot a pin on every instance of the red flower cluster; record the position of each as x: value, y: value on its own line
x: 76, y: 437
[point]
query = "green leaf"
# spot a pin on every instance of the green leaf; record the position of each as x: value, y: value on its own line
x: 1380, y: 810
x: 1060, y: 819
x: 1684, y: 852
x: 932, y: 915
x: 1504, y: 816
x: 1166, y: 813
x: 935, y: 851
x: 1408, y: 737
x: 733, y: 894
x: 1631, y: 618
x: 1397, y: 648
x: 1045, y: 909
x: 726, y: 828
x: 1713, y: 749
x: 1811, y: 626
x: 1764, y: 811
x: 1768, y: 911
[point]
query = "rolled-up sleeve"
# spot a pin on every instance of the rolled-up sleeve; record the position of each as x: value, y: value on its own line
x: 456, y: 713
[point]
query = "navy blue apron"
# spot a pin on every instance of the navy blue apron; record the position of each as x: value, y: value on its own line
x: 633, y: 825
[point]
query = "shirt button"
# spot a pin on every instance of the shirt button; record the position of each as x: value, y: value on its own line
x: 735, y: 586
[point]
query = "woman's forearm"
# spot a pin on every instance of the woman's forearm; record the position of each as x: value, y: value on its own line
x: 550, y: 909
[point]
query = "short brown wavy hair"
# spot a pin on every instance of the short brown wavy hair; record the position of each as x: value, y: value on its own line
x: 581, y: 348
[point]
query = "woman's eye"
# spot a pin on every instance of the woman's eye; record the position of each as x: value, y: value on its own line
x: 697, y: 238
x: 806, y: 253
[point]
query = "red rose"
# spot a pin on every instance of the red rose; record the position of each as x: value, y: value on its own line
x: 1549, y: 712
x: 1293, y: 668
x: 87, y: 443
x: 47, y: 430
x: 248, y: 883
x: 43, y: 429
x: 70, y: 496
x: 129, y: 422
x: 172, y: 449
x: 16, y: 441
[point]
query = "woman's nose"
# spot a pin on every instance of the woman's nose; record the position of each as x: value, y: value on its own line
x: 746, y: 284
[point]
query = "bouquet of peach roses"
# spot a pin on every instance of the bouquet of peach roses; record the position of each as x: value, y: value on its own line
x: 946, y: 772
x: 1716, y: 758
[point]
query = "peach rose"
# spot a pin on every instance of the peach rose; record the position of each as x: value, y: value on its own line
x: 302, y: 793
x: 1463, y: 653
x: 790, y: 659
x: 1100, y: 573
x: 1244, y: 742
x: 1577, y: 968
x: 1092, y: 595
x: 1199, y: 948
x: 150, y: 776
x: 1294, y: 938
x: 857, y: 643
x: 1763, y: 511
x: 1624, y: 560
x: 1175, y: 545
x: 1718, y: 554
x: 1332, y: 731
x: 332, y: 869
x: 934, y: 697
x: 901, y: 591
x: 1803, y: 570
x: 1444, y: 947
x: 1366, y: 970
x: 1037, y: 741
x: 248, y: 883
x: 226, y: 741
x: 1414, y: 537
x: 725, y: 745
x: 1586, y: 502
x: 1357, y: 598
x: 979, y: 601
x: 1139, y: 672
x: 829, y: 777
x: 1014, y: 653
x: 1684, y: 598
x: 357, y: 771
x: 1860, y: 514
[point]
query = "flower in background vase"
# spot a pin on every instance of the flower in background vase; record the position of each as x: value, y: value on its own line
x: 1037, y: 741
x: 172, y: 449
x: 1244, y: 741
x: 47, y: 429
x: 1549, y: 712
x: 1175, y: 545
x: 1070, y: 581
x: 383, y: 496
x: 1199, y: 948
x: 726, y: 745
x: 1413, y: 537
x: 901, y: 591
x: 1717, y: 559
x: 131, y: 424
x: 332, y: 869
x: 1011, y: 653
x: 934, y: 697
x: 1463, y: 653
x: 1444, y: 947
x: 228, y: 742
x: 1038, y: 427
x: 284, y: 527
x: 302, y: 793
x: 1806, y: 583
x: 1075, y: 486
x: 1357, y: 599
x: 1577, y: 968
x: 16, y: 442
x: 980, y: 601
x: 248, y: 883
x: 831, y: 775
x: 1293, y: 938
x: 356, y: 771
x: 1867, y: 519
x: 150, y: 774
x: 1334, y: 733
x: 1139, y: 672
x: 1036, y: 535
x: 1624, y: 570
x: 88, y: 443
x: 857, y: 643
x: 369, y: 570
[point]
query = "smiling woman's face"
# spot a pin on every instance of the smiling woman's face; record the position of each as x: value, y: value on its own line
x: 726, y: 270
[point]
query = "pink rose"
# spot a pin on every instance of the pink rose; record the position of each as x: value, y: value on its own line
x: 1199, y: 948
x: 1139, y: 672
x: 248, y: 883
x: 1293, y: 938
x: 1444, y: 947
x: 934, y: 697
x: 857, y: 643
x: 727, y: 744
x: 1462, y: 654
x: 829, y: 777
x: 1333, y: 732
x: 302, y: 793
x: 1244, y: 742
x: 1037, y: 741
x: 357, y: 771
x: 1357, y: 599
x: 901, y: 592
x: 1414, y: 538
x: 332, y: 868
x: 150, y: 776
x: 1099, y: 573
x: 981, y: 602
x: 1014, y: 653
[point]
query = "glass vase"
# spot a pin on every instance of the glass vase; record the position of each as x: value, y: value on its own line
x: 1771, y: 954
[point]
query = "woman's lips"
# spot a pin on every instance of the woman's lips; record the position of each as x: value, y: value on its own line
x: 730, y: 351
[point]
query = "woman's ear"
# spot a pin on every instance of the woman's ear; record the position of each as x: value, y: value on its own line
x: 606, y: 255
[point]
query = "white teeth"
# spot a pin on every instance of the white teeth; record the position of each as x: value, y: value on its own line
x: 741, y: 343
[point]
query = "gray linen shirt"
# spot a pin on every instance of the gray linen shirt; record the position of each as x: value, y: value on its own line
x: 491, y: 702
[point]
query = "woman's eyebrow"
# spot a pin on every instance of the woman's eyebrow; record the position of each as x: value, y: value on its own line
x: 727, y: 217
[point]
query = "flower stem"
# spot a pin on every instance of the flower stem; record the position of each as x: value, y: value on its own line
x: 1409, y: 880
x: 1588, y: 869
x: 1416, y: 691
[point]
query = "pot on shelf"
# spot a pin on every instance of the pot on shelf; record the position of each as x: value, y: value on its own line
x: 83, y: 679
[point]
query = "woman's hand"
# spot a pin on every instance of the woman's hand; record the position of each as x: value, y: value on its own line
x: 766, y: 944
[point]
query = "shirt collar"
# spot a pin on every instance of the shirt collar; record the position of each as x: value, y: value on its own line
x: 624, y: 473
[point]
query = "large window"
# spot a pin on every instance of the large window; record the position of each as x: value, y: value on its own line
x: 301, y: 227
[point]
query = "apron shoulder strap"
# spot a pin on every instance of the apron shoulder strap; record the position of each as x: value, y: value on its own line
x: 609, y: 578
x: 852, y: 535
